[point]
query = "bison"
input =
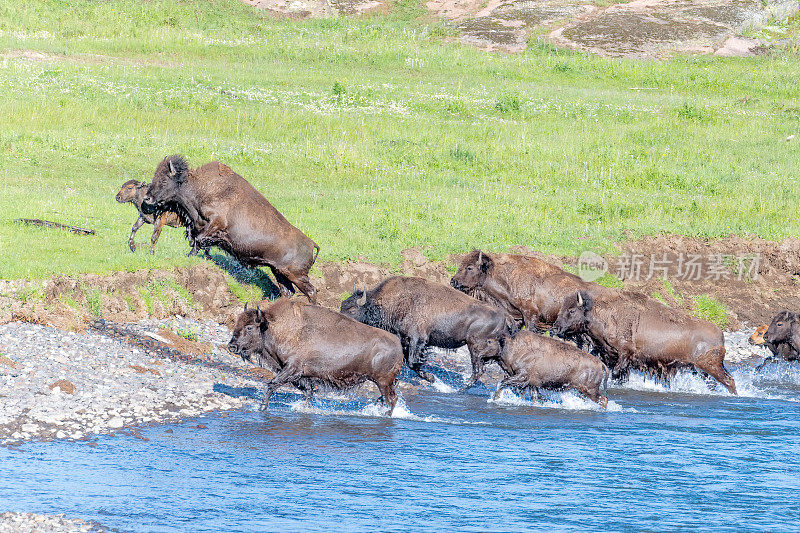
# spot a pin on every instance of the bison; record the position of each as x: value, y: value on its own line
x: 631, y: 331
x: 782, y: 337
x: 309, y: 344
x: 757, y: 338
x: 134, y: 191
x: 222, y: 209
x: 426, y: 314
x: 528, y: 289
x: 533, y: 361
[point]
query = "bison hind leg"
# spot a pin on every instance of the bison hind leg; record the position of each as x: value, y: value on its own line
x: 284, y: 283
x: 388, y: 394
x: 287, y: 281
x: 712, y: 364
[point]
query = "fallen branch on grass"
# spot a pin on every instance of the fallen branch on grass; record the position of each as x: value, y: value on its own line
x: 49, y: 224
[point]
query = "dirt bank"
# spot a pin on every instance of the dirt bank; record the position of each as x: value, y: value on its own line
x: 219, y: 289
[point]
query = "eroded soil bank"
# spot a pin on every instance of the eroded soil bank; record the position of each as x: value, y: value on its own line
x: 218, y: 290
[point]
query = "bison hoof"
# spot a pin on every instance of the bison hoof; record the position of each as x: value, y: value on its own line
x: 132, y: 246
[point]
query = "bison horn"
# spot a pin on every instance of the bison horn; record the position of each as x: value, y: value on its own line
x: 363, y: 299
x: 480, y: 256
x: 245, y: 305
x: 354, y: 287
x: 580, y: 299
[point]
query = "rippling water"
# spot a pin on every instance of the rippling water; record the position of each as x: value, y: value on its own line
x: 659, y: 459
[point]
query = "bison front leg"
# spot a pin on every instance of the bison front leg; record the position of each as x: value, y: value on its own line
x: 286, y: 375
x: 307, y: 388
x: 517, y: 381
x: 416, y: 348
x: 594, y: 395
x: 206, y: 232
x: 479, y: 351
x: 134, y: 229
x: 769, y: 360
x: 159, y: 225
x: 302, y: 282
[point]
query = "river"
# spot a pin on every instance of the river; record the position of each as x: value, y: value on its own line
x: 660, y: 458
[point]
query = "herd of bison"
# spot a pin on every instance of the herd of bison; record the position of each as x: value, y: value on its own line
x: 499, y: 305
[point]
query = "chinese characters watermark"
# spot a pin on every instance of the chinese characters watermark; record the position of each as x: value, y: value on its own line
x: 679, y: 266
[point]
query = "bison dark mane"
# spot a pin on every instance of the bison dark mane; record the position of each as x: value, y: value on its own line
x: 178, y: 166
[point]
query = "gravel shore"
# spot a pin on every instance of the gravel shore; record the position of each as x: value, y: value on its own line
x: 57, y: 384
x: 40, y: 523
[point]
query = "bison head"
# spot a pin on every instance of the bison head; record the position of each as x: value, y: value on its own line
x: 472, y: 272
x: 780, y: 329
x: 757, y: 338
x: 356, y: 305
x: 574, y: 315
x: 248, y: 333
x: 128, y: 191
x: 170, y: 175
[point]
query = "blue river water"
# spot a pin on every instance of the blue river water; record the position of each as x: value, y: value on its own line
x: 659, y: 459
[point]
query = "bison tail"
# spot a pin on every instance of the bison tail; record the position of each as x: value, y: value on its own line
x: 316, y: 253
x: 606, y: 374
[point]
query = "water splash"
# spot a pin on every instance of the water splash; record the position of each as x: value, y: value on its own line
x: 749, y: 384
x: 328, y: 406
x: 683, y: 381
x: 566, y: 400
x: 441, y: 386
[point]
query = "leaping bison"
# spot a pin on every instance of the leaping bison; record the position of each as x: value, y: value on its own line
x: 631, y: 331
x: 309, y: 344
x: 221, y: 208
x: 426, y: 314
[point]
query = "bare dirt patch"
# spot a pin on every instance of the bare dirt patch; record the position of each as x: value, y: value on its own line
x: 659, y: 28
x: 638, y: 29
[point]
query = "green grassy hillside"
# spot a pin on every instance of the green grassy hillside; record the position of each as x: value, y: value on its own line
x: 377, y: 134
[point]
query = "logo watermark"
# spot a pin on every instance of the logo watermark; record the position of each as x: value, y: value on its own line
x: 678, y: 266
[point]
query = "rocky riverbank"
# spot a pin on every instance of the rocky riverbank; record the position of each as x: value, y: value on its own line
x: 57, y: 384
x: 38, y: 523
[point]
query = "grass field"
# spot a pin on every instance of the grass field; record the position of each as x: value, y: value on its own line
x: 373, y: 135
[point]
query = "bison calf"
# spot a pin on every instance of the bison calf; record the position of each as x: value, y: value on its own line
x: 134, y: 192
x: 427, y: 314
x: 309, y: 344
x: 533, y: 361
x: 632, y: 331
